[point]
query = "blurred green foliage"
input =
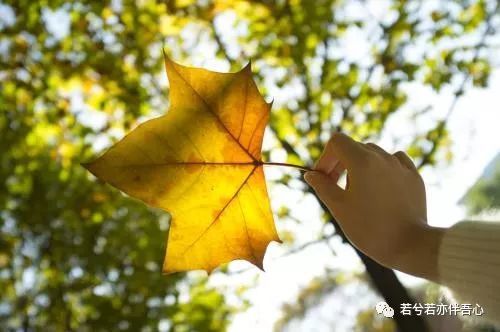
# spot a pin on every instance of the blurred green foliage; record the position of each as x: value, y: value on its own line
x: 484, y: 195
x: 75, y: 76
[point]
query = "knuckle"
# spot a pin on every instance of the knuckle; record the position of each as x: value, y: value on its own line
x: 400, y: 153
x: 336, y: 139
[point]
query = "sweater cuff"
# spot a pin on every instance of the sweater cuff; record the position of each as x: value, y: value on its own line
x: 469, y: 264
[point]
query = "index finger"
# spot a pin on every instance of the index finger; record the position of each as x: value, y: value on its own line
x: 340, y: 149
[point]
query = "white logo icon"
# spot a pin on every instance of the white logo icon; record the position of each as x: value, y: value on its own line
x: 385, y: 309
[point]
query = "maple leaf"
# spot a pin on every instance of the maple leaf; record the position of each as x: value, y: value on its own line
x: 202, y: 163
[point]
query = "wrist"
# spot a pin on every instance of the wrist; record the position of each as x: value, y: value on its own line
x: 422, y: 254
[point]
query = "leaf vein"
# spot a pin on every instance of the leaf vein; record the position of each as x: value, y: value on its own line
x: 185, y: 134
x: 214, y: 114
x: 244, y: 110
x: 246, y: 229
x: 255, y: 130
x: 220, y: 212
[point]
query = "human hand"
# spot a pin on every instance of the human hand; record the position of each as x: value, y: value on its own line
x: 382, y: 211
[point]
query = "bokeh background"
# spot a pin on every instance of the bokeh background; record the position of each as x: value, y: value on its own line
x: 77, y: 255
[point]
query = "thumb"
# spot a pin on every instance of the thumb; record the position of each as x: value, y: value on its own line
x: 326, y: 188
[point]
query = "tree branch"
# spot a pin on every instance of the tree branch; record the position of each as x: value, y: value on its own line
x: 218, y: 41
x: 386, y: 283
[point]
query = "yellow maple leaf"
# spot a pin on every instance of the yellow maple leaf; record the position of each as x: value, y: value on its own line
x: 202, y: 163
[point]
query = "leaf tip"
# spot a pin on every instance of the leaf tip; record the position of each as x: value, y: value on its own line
x: 88, y: 166
x: 168, y: 273
x: 270, y: 104
x: 166, y: 270
x: 247, y: 68
x: 168, y: 61
x: 260, y: 264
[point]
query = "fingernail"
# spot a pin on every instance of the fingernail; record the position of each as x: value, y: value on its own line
x: 308, y: 177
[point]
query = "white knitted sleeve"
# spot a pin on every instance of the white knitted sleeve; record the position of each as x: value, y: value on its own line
x: 469, y: 265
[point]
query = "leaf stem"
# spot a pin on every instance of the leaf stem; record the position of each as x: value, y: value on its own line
x: 302, y: 168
